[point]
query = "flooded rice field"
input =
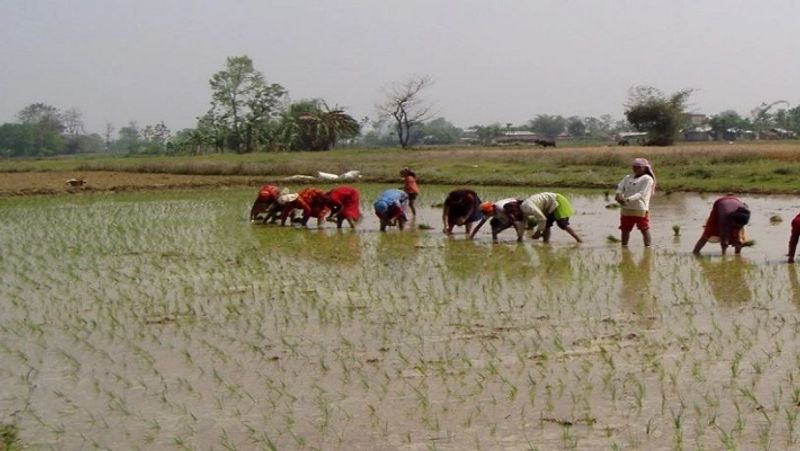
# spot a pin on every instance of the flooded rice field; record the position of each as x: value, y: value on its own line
x: 168, y: 321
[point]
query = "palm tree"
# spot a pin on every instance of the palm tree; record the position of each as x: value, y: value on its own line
x: 312, y: 125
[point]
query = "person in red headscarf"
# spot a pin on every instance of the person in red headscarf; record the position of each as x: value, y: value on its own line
x: 633, y: 194
x: 344, y: 203
x: 313, y: 202
x: 265, y: 204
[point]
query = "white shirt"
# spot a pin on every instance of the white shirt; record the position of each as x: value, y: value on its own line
x: 499, y: 212
x: 636, y: 191
x: 538, y: 207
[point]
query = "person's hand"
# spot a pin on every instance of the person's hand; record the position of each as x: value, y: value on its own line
x: 619, y: 198
x: 536, y: 235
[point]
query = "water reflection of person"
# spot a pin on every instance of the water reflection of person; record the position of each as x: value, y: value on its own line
x: 637, y: 294
x: 555, y: 265
x: 727, y: 279
x: 397, y: 250
x: 340, y: 247
x: 464, y: 258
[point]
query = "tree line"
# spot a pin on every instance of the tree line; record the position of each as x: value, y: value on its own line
x: 249, y: 114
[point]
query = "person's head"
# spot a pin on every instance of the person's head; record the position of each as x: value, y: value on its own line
x: 740, y: 217
x: 487, y: 208
x: 640, y: 166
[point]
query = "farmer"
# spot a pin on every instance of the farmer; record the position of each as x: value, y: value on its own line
x: 793, y: 238
x: 265, y: 203
x: 410, y: 187
x: 548, y: 209
x: 461, y: 208
x: 504, y: 214
x: 312, y: 201
x: 633, y: 194
x: 344, y: 202
x: 391, y: 208
x: 725, y: 224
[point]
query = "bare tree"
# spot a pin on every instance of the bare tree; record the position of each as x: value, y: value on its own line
x: 73, y: 122
x: 109, y: 132
x: 405, y: 104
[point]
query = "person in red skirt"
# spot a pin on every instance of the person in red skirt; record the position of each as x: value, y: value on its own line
x: 312, y: 201
x: 725, y: 223
x: 793, y: 238
x: 265, y: 204
x: 344, y: 203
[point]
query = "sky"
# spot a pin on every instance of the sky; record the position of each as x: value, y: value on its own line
x: 500, y: 61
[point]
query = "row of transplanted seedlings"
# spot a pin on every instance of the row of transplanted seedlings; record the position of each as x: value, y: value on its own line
x: 219, y: 343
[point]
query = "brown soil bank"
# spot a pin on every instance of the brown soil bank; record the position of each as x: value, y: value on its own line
x: 34, y: 183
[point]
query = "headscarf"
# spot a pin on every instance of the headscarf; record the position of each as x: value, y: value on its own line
x: 648, y: 169
x: 487, y: 208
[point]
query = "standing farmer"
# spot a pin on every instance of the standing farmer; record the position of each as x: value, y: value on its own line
x: 410, y: 187
x: 633, y: 194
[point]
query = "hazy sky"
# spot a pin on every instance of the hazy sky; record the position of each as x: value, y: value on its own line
x: 492, y: 61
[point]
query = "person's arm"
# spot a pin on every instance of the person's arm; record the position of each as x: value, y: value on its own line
x: 643, y: 189
x: 793, y: 244
x: 480, y: 224
x: 541, y: 221
x: 618, y: 196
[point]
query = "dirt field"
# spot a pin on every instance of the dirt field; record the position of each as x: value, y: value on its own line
x: 33, y: 183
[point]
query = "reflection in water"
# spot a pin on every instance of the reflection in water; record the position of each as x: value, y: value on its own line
x: 467, y: 259
x: 396, y: 248
x: 727, y: 278
x: 637, y: 295
x: 464, y: 258
x: 554, y: 264
x: 794, y: 282
x: 339, y: 246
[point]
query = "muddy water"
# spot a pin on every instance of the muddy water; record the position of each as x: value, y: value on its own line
x: 169, y: 321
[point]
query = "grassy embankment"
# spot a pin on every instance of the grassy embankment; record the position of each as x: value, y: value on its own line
x: 741, y: 167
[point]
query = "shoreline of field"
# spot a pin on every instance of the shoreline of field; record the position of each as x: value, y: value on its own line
x: 756, y: 168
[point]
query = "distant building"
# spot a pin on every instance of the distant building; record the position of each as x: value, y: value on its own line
x: 516, y: 137
x: 697, y: 134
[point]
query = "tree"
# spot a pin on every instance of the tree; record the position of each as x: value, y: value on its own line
x: 762, y: 119
x: 576, y: 127
x: 440, y: 131
x: 548, y: 126
x: 48, y: 125
x: 404, y: 103
x: 487, y: 133
x: 649, y: 110
x: 155, y: 138
x: 109, y: 132
x: 312, y: 125
x: 17, y: 140
x: 724, y: 121
x: 72, y: 119
x: 130, y: 138
x: 242, y: 101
